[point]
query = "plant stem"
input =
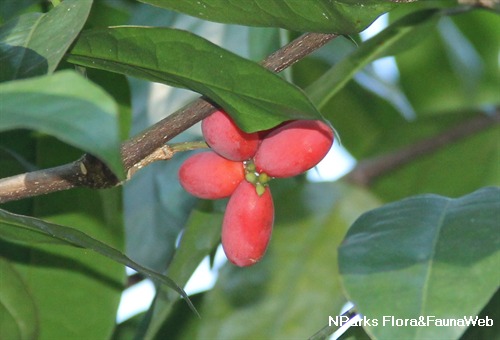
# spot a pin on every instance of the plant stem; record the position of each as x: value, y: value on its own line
x: 164, y: 153
x: 140, y: 150
x: 370, y: 169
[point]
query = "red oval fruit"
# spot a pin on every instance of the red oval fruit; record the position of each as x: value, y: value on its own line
x: 225, y: 138
x: 293, y: 148
x: 247, y: 225
x: 208, y: 175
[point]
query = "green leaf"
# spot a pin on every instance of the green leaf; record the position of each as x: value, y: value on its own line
x: 18, y: 312
x: 62, y: 276
x: 398, y: 37
x: 343, y: 17
x: 156, y: 209
x: 80, y: 239
x: 34, y: 43
x: 9, y: 9
x: 452, y: 170
x: 491, y: 311
x: 201, y: 235
x: 257, y: 98
x: 468, y: 70
x: 68, y: 107
x: 291, y: 292
x: 423, y: 256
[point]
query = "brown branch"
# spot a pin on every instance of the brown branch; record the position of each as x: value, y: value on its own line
x: 369, y: 170
x: 91, y: 172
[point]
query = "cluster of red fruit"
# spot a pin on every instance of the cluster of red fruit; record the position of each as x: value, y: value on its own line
x: 240, y: 166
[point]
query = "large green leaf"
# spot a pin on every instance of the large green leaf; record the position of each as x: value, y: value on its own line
x: 291, y: 292
x: 425, y: 256
x: 344, y: 16
x: 33, y: 44
x: 18, y: 316
x: 257, y: 98
x: 68, y: 107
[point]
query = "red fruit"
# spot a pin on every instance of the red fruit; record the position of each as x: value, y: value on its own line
x: 247, y: 225
x: 208, y: 175
x: 293, y: 148
x: 225, y: 138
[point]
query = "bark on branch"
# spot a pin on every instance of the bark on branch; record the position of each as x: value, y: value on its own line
x: 368, y: 170
x: 91, y: 172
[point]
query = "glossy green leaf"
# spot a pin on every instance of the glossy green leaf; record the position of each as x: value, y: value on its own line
x: 325, y: 16
x: 257, y: 98
x: 18, y: 312
x: 33, y: 44
x: 68, y: 107
x: 80, y: 239
x: 291, y: 292
x: 425, y: 256
x: 396, y: 38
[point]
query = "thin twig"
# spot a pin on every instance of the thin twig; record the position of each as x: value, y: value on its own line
x: 91, y: 172
x: 369, y: 170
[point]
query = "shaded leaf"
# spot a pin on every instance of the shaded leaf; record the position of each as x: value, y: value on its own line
x: 424, y: 256
x: 156, y: 208
x: 9, y: 9
x: 201, y: 235
x: 464, y: 71
x: 62, y: 276
x: 452, y: 170
x: 80, y: 239
x: 399, y: 36
x: 181, y: 323
x: 68, y: 107
x: 490, y: 311
x: 127, y: 329
x: 18, y: 312
x: 257, y: 98
x: 325, y: 16
x: 291, y: 292
x: 33, y: 44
